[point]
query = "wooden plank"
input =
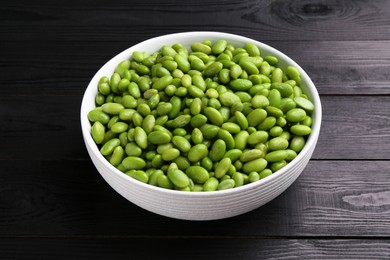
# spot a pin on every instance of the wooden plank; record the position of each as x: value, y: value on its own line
x: 336, y: 67
x: 41, y: 127
x: 266, y: 20
x: 353, y: 127
x: 192, y: 248
x: 69, y: 198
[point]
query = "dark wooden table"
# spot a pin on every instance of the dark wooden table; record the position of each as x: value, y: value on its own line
x: 55, y: 205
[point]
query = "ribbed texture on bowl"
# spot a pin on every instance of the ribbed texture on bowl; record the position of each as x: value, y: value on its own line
x: 199, y: 205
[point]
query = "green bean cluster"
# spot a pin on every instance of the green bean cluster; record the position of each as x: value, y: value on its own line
x: 210, y: 118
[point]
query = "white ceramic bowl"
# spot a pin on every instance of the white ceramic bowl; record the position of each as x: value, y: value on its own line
x: 199, y: 205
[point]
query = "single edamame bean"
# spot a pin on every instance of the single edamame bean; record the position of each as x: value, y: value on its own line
x: 256, y: 117
x: 222, y: 167
x: 98, y: 115
x: 240, y: 84
x: 227, y: 137
x: 112, y: 108
x: 181, y: 143
x: 285, y: 89
x: 250, y: 155
x: 109, y: 146
x: 254, y: 176
x: 211, y: 184
x: 241, y: 140
x: 300, y: 130
x: 133, y: 163
x: 219, y: 46
x: 198, y: 174
x: 277, y: 75
x: 264, y: 173
x: 141, y: 137
x: 117, y: 156
x: 170, y: 154
x: 159, y: 137
x: 278, y: 143
x: 254, y: 166
x: 197, y: 152
x: 218, y: 150
x: 241, y: 120
x: 235, y: 71
x: 213, y: 116
x: 178, y: 178
x: 200, y: 47
x: 296, y: 115
x: 304, y: 103
x: 98, y: 131
x: 132, y: 149
x: 164, y: 182
x: 226, y: 184
x: 119, y: 127
x: 276, y: 156
x: 233, y: 154
x: 260, y: 101
x: 248, y: 66
x: 229, y: 99
x: 297, y: 143
x: 238, y: 179
x: 293, y: 74
x: 258, y: 137
x: 276, y: 166
x: 252, y: 49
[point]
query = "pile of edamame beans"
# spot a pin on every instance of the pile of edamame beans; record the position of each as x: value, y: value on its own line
x: 210, y: 118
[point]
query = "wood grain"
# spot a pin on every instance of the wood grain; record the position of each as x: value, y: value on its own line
x: 336, y: 67
x: 192, y: 248
x: 266, y: 20
x: 54, y: 204
x: 69, y: 198
x: 353, y: 127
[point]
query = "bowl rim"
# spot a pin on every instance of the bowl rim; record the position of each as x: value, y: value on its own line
x: 312, y: 139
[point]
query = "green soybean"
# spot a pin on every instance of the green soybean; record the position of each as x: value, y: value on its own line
x: 229, y: 99
x: 255, y: 165
x: 198, y: 174
x: 241, y: 84
x: 278, y: 143
x: 98, y: 115
x: 181, y: 143
x: 300, y: 130
x: 218, y: 150
x: 197, y: 152
x: 164, y: 182
x: 133, y: 163
x: 304, y: 103
x: 98, y: 131
x: 265, y: 173
x: 117, y: 155
x: 178, y: 178
x: 211, y: 184
x: 250, y: 155
x: 233, y: 154
x: 276, y: 156
x: 109, y: 146
x: 226, y: 184
x: 256, y: 116
x: 213, y: 116
x: 141, y: 137
x: 241, y: 140
x: 241, y: 120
